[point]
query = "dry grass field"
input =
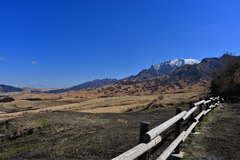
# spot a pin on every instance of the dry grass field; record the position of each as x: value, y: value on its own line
x: 71, y: 133
x: 103, y: 128
x: 90, y: 105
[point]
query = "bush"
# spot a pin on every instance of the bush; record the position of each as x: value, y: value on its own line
x: 34, y: 99
x: 160, y: 97
x: 7, y: 99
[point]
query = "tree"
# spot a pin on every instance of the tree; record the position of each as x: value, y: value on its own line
x: 226, y: 79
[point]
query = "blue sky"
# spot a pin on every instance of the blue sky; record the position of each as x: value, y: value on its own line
x: 64, y: 43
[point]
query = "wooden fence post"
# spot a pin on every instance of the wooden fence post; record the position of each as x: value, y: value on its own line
x: 207, y: 105
x: 192, y: 115
x: 200, y: 110
x: 144, y: 127
x: 211, y: 101
x: 178, y: 130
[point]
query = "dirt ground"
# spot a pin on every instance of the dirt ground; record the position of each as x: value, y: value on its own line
x: 76, y: 135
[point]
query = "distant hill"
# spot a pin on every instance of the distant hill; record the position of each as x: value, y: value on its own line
x: 158, y: 70
x: 89, y: 84
x: 186, y: 78
x: 10, y: 89
x: 6, y: 88
x: 35, y: 90
x: 162, y: 69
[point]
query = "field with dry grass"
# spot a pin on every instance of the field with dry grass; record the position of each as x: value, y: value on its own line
x: 70, y: 131
x: 91, y: 105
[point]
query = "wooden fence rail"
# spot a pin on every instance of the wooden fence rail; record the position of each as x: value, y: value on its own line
x: 152, y: 138
x: 159, y: 129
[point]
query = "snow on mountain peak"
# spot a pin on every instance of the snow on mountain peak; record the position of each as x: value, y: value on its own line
x: 174, y: 63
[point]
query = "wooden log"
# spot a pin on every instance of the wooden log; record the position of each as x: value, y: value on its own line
x: 200, y: 115
x: 178, y: 129
x: 189, y: 113
x: 159, y: 129
x: 207, y: 101
x: 207, y: 111
x: 189, y: 130
x: 200, y: 102
x: 212, y: 106
x: 138, y: 150
x: 171, y: 147
x: 144, y: 127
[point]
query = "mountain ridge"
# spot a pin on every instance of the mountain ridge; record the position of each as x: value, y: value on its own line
x: 162, y: 69
x: 174, y: 63
x: 183, y: 79
x: 8, y: 88
x: 166, y: 68
x: 187, y: 78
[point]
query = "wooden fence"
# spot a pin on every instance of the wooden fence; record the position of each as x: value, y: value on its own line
x: 149, y: 139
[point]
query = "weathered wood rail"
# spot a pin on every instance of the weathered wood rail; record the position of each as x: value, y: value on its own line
x: 151, y: 138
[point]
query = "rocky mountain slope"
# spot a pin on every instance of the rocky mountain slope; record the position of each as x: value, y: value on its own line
x: 158, y: 70
x: 162, y: 69
x: 187, y: 78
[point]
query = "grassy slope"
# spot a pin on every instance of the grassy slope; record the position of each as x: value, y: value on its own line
x: 219, y: 135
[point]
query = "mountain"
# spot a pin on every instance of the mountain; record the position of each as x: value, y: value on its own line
x: 89, y: 84
x: 162, y: 69
x: 175, y: 63
x: 187, y: 78
x: 10, y: 89
x: 157, y: 70
x: 183, y: 79
x: 6, y: 88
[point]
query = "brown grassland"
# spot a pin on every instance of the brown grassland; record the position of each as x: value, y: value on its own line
x: 104, y: 127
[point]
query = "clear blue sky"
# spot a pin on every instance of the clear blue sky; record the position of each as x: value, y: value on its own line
x: 63, y: 43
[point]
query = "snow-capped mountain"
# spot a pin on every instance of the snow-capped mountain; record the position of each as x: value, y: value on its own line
x: 163, y: 68
x: 174, y: 63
